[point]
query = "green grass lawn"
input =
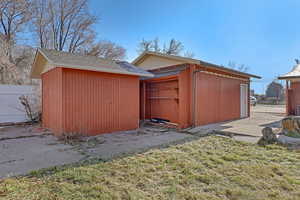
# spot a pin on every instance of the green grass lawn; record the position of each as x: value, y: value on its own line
x: 209, y: 168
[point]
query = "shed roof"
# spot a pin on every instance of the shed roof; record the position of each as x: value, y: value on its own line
x: 77, y: 61
x: 295, y: 73
x: 191, y: 61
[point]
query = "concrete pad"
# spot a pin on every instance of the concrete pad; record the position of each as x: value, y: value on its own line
x: 7, y: 132
x: 108, y: 146
x: 27, y: 148
x: 261, y: 116
x: 31, y: 149
x: 20, y: 156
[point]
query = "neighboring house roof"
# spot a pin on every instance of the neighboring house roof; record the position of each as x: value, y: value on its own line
x: 295, y: 73
x: 46, y: 60
x: 181, y: 60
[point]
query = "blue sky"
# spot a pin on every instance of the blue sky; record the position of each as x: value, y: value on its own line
x: 262, y: 34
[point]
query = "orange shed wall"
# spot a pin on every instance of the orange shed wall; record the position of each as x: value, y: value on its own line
x: 218, y: 99
x: 293, y: 97
x: 52, y: 100
x: 96, y: 102
x: 185, y: 98
x: 86, y: 102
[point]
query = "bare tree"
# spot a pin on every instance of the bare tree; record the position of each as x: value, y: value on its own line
x: 145, y: 45
x: 23, y: 58
x: 173, y: 47
x: 239, y: 67
x: 63, y: 24
x: 107, y: 49
x: 189, y: 54
x: 155, y: 45
x: 15, y: 70
x: 8, y: 70
x: 13, y: 15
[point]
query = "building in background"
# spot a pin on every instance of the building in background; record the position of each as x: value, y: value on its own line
x: 292, y: 90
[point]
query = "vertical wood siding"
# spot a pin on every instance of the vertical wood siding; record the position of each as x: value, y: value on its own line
x: 96, y: 102
x: 89, y: 103
x: 293, y: 97
x: 52, y: 100
x: 289, y: 102
x: 185, y: 98
x: 218, y: 99
x: 142, y: 100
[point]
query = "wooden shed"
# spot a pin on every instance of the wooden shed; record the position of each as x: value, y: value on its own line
x: 292, y: 90
x: 191, y: 92
x: 86, y: 94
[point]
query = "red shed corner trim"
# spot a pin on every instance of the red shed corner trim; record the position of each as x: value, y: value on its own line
x: 46, y: 60
x: 145, y: 54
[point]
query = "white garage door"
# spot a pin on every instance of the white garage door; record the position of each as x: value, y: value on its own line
x: 244, y: 100
x: 11, y: 109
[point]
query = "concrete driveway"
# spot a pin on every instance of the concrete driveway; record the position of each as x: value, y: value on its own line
x: 261, y: 116
x: 27, y: 148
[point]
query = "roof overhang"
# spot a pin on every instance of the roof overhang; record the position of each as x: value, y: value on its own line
x: 292, y: 75
x: 38, y: 65
x: 42, y: 64
x: 225, y: 69
x: 145, y: 54
x: 288, y: 77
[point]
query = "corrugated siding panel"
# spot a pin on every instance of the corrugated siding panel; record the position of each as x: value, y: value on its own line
x: 218, y: 99
x: 52, y: 100
x: 96, y: 102
x: 129, y: 102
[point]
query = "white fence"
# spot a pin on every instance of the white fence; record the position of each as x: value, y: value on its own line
x: 11, y: 109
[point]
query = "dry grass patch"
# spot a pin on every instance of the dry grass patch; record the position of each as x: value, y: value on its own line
x: 210, y: 168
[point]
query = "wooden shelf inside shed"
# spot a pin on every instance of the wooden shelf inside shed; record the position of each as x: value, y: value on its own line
x: 176, y: 98
x: 162, y: 88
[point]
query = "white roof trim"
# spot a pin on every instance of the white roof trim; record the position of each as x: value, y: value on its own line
x: 294, y: 74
